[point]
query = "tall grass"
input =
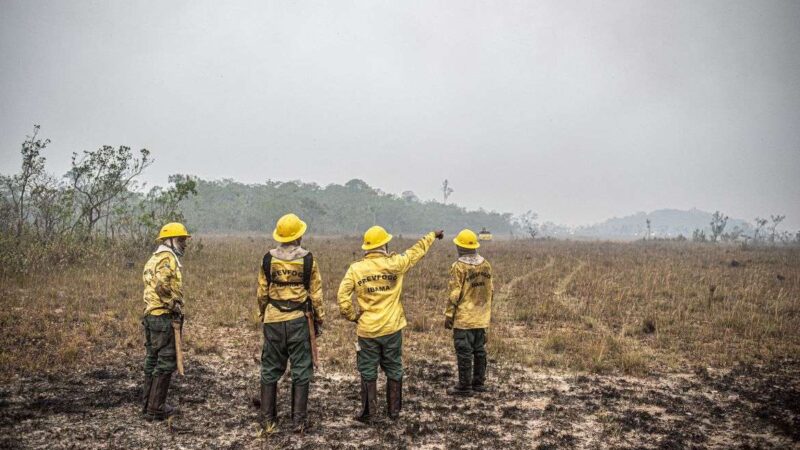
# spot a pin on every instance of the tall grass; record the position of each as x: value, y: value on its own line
x: 626, y: 308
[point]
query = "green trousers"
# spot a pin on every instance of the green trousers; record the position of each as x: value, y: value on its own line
x: 471, y: 356
x: 287, y: 341
x: 386, y: 351
x: 159, y: 342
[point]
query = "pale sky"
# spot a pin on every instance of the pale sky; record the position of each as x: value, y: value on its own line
x: 578, y: 110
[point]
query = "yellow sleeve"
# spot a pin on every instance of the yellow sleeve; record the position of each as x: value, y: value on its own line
x: 316, y: 291
x: 454, y: 287
x: 491, y: 281
x: 406, y: 260
x: 345, y: 296
x: 168, y: 286
x: 263, y: 292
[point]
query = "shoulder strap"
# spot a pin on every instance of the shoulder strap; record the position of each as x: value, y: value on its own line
x: 308, y: 263
x: 267, y: 266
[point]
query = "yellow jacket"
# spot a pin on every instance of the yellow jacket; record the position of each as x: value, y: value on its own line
x: 287, y: 266
x: 163, y: 283
x: 471, y: 293
x: 377, y: 280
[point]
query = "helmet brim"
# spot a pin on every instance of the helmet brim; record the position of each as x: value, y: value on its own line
x: 377, y: 244
x: 165, y: 237
x: 294, y: 237
x: 467, y: 246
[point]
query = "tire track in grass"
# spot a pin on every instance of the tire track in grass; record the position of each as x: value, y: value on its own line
x: 512, y: 335
x: 562, y: 286
x: 505, y: 292
x: 571, y: 303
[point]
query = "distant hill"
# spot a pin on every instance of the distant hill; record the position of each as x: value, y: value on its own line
x: 664, y: 223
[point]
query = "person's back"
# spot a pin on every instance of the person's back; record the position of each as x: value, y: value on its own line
x: 377, y: 281
x: 289, y: 298
x: 469, y: 312
x: 471, y: 276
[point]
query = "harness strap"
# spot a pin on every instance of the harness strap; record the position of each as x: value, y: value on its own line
x: 266, y: 264
x: 308, y: 263
x: 288, y: 305
x: 287, y: 283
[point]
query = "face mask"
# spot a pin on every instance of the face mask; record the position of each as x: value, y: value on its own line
x: 466, y: 251
x: 177, y: 246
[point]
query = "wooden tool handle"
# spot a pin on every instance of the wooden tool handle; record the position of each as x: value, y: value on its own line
x: 176, y: 327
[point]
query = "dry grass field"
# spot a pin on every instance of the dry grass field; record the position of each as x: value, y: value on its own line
x: 637, y: 345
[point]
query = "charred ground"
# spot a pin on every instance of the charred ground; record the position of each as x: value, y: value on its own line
x: 747, y: 407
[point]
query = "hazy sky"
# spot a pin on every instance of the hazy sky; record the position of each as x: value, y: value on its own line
x: 577, y: 110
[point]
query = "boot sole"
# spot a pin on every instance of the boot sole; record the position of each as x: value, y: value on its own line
x: 370, y: 420
x: 159, y: 417
x: 153, y: 418
x: 460, y: 394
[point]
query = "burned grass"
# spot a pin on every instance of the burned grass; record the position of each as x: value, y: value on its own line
x: 747, y: 407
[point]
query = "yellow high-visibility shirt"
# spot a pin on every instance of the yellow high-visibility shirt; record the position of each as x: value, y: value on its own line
x: 471, y: 291
x: 289, y: 271
x: 377, y: 280
x: 163, y: 283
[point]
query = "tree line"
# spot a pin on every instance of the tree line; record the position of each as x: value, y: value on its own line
x: 99, y: 202
x: 349, y: 209
x: 100, y: 205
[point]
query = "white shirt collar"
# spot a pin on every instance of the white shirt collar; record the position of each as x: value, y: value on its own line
x: 472, y: 259
x: 166, y: 248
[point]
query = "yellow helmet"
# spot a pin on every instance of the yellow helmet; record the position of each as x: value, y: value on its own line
x: 467, y: 239
x: 172, y: 229
x: 375, y: 237
x: 289, y: 228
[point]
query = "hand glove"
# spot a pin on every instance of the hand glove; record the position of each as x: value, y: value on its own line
x: 261, y: 311
x: 439, y: 234
x: 318, y: 326
x: 177, y: 307
x: 448, y: 323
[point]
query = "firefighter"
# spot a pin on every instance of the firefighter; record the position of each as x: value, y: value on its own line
x: 468, y: 312
x: 163, y: 298
x: 377, y: 280
x: 289, y: 288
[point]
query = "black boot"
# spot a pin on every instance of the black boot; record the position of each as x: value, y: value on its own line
x: 157, y: 407
x: 269, y: 410
x: 394, y: 398
x: 464, y: 386
x: 369, y: 401
x: 460, y: 389
x: 479, y: 373
x: 299, y: 407
x: 148, y: 384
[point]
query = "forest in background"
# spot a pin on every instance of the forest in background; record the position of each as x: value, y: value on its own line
x: 100, y: 203
x: 229, y: 206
